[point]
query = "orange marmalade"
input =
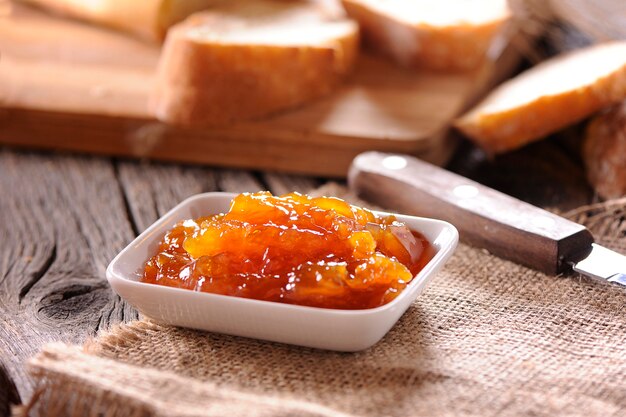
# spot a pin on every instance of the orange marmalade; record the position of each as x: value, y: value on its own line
x: 320, y: 252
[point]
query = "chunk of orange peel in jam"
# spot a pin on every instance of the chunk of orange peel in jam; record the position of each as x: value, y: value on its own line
x: 319, y: 252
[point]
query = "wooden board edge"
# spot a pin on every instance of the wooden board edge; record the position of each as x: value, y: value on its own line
x: 328, y: 156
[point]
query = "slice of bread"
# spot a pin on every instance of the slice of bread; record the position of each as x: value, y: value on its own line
x: 247, y: 59
x: 548, y: 97
x: 449, y: 35
x: 147, y: 18
x: 604, y: 152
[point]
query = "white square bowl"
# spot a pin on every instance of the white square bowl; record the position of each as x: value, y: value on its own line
x: 332, y: 329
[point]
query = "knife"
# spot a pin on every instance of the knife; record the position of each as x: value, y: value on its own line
x: 485, y: 218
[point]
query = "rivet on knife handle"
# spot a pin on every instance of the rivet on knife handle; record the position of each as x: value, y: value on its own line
x: 486, y: 218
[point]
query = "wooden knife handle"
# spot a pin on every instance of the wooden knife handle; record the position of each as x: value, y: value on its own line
x: 486, y: 218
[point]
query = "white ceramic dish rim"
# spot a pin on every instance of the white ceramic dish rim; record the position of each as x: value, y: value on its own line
x: 170, y: 217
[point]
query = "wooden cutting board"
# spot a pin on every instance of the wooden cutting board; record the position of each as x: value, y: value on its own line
x: 72, y: 86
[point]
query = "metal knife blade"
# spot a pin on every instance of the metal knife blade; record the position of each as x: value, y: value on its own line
x: 604, y: 264
x: 485, y: 218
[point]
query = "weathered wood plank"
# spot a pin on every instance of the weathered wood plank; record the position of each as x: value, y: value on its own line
x: 8, y: 393
x: 66, y: 217
x: 282, y: 184
x: 238, y: 181
x: 62, y: 219
x: 152, y: 189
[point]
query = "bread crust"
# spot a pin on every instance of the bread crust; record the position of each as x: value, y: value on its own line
x: 604, y: 152
x: 498, y: 131
x: 217, y: 82
x: 461, y: 47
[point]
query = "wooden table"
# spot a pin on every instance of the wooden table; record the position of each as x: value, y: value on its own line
x: 64, y: 217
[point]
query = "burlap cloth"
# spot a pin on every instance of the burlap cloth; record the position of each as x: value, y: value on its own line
x: 488, y: 338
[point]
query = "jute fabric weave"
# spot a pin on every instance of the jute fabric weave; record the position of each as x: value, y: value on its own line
x: 487, y: 338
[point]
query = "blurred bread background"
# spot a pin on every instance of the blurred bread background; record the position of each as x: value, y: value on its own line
x: 243, y: 63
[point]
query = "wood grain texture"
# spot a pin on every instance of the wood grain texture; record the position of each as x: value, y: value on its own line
x: 283, y: 184
x: 63, y: 218
x: 152, y: 190
x: 8, y: 393
x: 234, y: 181
x: 102, y: 107
x: 50, y: 282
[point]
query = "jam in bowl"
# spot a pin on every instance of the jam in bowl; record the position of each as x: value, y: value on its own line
x: 318, y: 252
x: 311, y: 272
